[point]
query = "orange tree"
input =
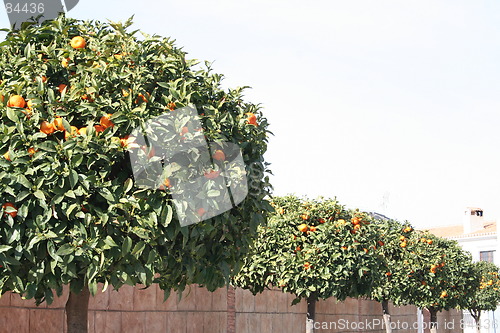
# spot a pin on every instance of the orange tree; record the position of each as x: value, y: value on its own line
x: 438, y: 273
x: 313, y: 249
x: 487, y: 296
x: 71, y: 92
x: 392, y: 244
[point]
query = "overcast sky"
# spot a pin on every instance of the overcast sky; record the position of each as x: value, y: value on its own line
x: 392, y: 106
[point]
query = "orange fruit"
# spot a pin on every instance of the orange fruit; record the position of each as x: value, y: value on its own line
x: 444, y: 294
x: 61, y: 87
x: 9, y: 204
x: 58, y: 124
x: 304, y: 216
x: 6, y: 156
x: 65, y: 62
x: 490, y: 282
x: 105, y: 121
x: 307, y: 265
x: 16, y: 101
x: 402, y: 238
x: 357, y: 227
x: 212, y: 174
x: 403, y: 244
x: 141, y: 97
x: 407, y: 229
x: 423, y: 240
x: 303, y: 227
x: 82, y: 131
x: 219, y: 155
x: 321, y: 221
x: 251, y: 118
x: 31, y: 151
x: 388, y: 273
x: 380, y: 243
x: 312, y: 229
x: 343, y: 247
x: 355, y: 220
x: 171, y: 106
x: 47, y: 128
x: 125, y: 92
x: 72, y: 133
x: 297, y: 249
x: 99, y: 128
x: 78, y: 42
x: 429, y: 241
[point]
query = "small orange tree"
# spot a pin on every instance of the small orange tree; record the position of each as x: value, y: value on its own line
x: 313, y: 249
x: 439, y: 273
x: 487, y: 296
x: 392, y: 245
x: 71, y: 92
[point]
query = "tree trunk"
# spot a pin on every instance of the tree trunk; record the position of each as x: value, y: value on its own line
x: 311, y: 313
x: 387, y: 316
x: 77, y: 311
x: 433, y: 313
x: 476, y: 314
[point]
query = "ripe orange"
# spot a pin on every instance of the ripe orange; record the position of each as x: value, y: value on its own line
x: 433, y: 268
x: 141, y: 97
x: 429, y: 241
x: 219, y: 155
x: 78, y: 42
x: 403, y: 244
x: 365, y: 249
x: 343, y: 247
x: 16, y: 101
x: 307, y: 265
x: 402, y: 238
x: 58, y: 124
x: 312, y: 229
x: 305, y: 216
x: 31, y: 151
x: 388, y: 273
x: 380, y: 243
x: 357, y: 227
x: 61, y: 87
x: 444, y: 294
x: 72, y: 133
x: 212, y: 174
x: 105, y: 121
x: 99, y: 128
x: 423, y: 240
x: 171, y: 106
x: 297, y: 249
x: 303, y: 227
x: 251, y: 118
x: 65, y: 62
x: 321, y: 221
x: 47, y: 128
x: 6, y: 156
x: 9, y: 204
x: 355, y: 220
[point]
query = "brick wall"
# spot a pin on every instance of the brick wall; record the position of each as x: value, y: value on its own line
x: 137, y: 310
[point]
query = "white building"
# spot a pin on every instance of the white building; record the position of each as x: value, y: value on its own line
x: 479, y: 237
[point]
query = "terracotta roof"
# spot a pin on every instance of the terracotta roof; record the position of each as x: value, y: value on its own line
x: 457, y: 231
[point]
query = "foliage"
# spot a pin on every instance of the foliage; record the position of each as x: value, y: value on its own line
x: 487, y: 296
x: 76, y: 216
x: 439, y: 272
x: 392, y: 246
x: 313, y: 248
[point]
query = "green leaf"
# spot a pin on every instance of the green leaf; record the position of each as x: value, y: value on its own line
x: 65, y: 250
x: 129, y: 183
x: 11, y: 114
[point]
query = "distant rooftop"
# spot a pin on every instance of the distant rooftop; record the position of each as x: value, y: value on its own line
x: 457, y: 231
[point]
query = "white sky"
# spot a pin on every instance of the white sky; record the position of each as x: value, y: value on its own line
x: 366, y: 98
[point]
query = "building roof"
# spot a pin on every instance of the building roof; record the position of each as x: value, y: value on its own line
x: 457, y: 231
